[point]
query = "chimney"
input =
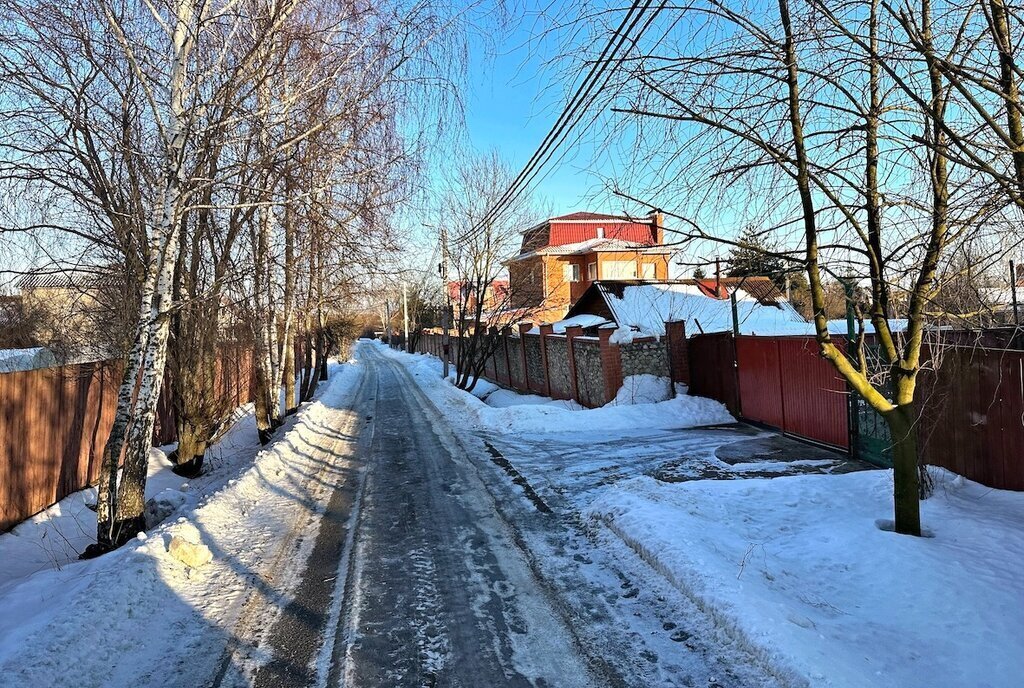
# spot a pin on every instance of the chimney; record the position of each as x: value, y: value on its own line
x: 658, y: 226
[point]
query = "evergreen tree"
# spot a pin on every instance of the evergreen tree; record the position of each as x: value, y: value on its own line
x: 754, y: 259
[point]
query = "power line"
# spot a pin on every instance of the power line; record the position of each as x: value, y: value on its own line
x: 577, y: 105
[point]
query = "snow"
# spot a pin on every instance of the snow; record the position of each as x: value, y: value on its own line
x: 583, y: 320
x: 542, y: 415
x: 800, y: 570
x: 840, y: 327
x: 643, y: 310
x: 643, y: 389
x: 17, y: 360
x: 132, y: 616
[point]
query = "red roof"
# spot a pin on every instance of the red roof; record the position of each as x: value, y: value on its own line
x: 583, y: 226
x: 583, y: 215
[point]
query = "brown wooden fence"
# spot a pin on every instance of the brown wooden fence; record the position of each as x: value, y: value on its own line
x: 54, y: 423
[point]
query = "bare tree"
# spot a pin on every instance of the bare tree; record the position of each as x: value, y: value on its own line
x: 479, y: 242
x: 841, y: 110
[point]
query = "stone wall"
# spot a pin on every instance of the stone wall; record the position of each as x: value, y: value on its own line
x: 535, y: 363
x: 640, y: 358
x: 591, y: 372
x: 500, y: 366
x: 515, y: 361
x: 589, y: 377
x: 558, y: 368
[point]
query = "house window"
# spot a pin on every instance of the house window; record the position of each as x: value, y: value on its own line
x: 619, y: 269
x: 571, y: 272
x: 647, y: 271
x: 592, y: 271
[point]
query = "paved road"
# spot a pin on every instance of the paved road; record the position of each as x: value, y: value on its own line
x: 415, y: 579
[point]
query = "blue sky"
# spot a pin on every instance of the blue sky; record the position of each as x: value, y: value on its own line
x: 515, y: 94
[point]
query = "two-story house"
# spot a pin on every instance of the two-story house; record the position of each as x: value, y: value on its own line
x: 562, y: 256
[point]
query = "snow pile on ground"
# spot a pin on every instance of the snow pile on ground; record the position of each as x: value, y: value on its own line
x: 56, y: 536
x: 643, y: 389
x: 506, y: 398
x: 798, y: 568
x: 548, y: 415
x: 17, y: 360
x: 138, y: 615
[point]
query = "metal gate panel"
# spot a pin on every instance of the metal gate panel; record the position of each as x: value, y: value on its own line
x: 814, y: 395
x: 760, y: 383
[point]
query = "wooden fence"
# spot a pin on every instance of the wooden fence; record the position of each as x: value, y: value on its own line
x: 54, y: 423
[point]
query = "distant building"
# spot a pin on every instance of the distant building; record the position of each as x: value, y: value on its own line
x: 461, y: 293
x: 67, y: 312
x: 1001, y: 299
x: 561, y: 257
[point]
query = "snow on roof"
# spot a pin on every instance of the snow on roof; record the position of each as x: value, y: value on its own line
x: 597, y: 244
x: 644, y: 309
x: 17, y: 360
x: 583, y: 320
x: 839, y: 327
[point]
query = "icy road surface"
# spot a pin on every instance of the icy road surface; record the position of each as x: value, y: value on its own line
x: 428, y: 571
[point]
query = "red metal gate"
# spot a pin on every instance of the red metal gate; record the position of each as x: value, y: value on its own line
x: 785, y: 383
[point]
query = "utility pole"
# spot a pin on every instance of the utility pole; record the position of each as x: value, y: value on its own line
x: 405, y: 315
x: 446, y: 313
x: 1013, y: 292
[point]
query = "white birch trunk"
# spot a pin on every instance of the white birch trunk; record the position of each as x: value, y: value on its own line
x: 151, y: 340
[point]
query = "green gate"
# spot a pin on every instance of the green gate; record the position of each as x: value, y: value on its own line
x: 869, y: 434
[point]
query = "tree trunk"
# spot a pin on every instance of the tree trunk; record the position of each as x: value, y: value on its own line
x: 907, y: 503
x: 124, y: 515
x: 322, y: 349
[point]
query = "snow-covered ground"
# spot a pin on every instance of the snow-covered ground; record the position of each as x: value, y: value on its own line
x: 513, y: 413
x: 792, y: 571
x: 139, y: 616
x: 799, y: 568
x: 56, y: 536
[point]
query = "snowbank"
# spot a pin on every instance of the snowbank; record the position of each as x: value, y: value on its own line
x: 643, y: 389
x: 532, y: 414
x: 55, y: 537
x: 798, y: 569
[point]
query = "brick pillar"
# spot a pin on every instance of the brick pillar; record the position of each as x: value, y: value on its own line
x: 504, y: 352
x: 677, y: 347
x: 491, y: 363
x: 611, y: 364
x: 570, y: 334
x: 523, y: 329
x: 545, y: 330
